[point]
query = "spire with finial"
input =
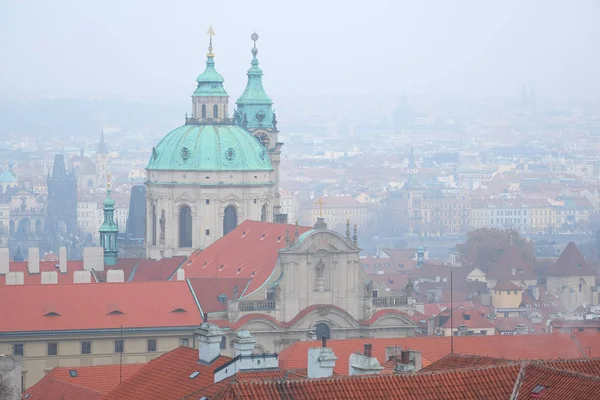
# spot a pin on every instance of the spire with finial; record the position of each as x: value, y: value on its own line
x: 109, y: 229
x: 348, y: 238
x: 287, y: 238
x: 102, y: 145
x: 254, y: 101
x: 355, y: 237
x: 210, y: 93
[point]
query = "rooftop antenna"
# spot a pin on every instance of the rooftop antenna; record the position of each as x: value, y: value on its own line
x: 451, y: 318
x: 121, y: 358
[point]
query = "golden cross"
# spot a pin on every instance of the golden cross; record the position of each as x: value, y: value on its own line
x: 320, y: 202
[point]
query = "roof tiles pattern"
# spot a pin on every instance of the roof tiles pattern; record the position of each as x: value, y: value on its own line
x: 570, y: 263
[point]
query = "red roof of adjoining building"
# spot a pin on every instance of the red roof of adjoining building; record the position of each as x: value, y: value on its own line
x: 68, y: 381
x: 589, y: 342
x: 45, y: 266
x: 570, y: 263
x: 461, y: 361
x: 511, y: 267
x: 433, y: 348
x: 249, y: 251
x: 208, y: 290
x: 507, y: 286
x: 471, y: 318
x: 157, y: 270
x: 168, y: 377
x: 394, y: 281
x: 489, y: 383
x: 555, y: 384
x: 97, y: 306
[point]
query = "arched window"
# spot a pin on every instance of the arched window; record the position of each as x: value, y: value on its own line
x: 185, y: 226
x: 203, y: 110
x: 229, y: 219
x: 223, y: 345
x: 38, y: 225
x: 263, y: 213
x: 322, y: 329
x: 580, y: 287
x: 153, y: 224
x: 215, y: 111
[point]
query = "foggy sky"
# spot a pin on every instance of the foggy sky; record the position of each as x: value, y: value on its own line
x: 142, y: 49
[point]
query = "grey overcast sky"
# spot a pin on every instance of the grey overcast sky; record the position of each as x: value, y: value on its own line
x: 148, y: 49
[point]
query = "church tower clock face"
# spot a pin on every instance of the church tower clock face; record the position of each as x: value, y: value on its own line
x: 263, y: 138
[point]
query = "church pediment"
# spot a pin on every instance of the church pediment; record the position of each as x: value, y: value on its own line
x: 184, y: 198
x: 316, y: 240
x: 231, y: 198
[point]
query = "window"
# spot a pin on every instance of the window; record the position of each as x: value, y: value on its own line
x: 52, y: 349
x: 215, y: 111
x: 73, y: 373
x: 203, y: 110
x: 185, y: 226
x: 207, y: 201
x: 483, y: 332
x: 184, y: 341
x: 18, y: 349
x: 86, y: 347
x: 263, y: 213
x: 223, y: 344
x: 154, y: 225
x: 119, y: 346
x: 229, y: 219
x: 208, y: 232
x: 151, y: 344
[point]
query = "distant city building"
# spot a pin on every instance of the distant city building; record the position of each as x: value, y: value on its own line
x: 61, y: 211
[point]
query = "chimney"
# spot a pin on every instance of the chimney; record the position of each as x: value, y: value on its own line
x: 15, y: 278
x: 364, y: 364
x: 115, y: 275
x: 33, y: 260
x: 209, y: 342
x: 82, y: 277
x: 62, y: 260
x: 321, y: 361
x: 93, y: 258
x: 410, y: 361
x: 243, y: 344
x: 4, y: 261
x: 514, y: 271
x: 49, y: 277
x: 181, y: 274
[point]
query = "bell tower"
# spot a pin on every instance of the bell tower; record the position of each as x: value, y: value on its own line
x: 255, y: 114
x: 109, y: 230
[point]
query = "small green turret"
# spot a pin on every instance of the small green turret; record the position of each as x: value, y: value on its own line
x: 109, y: 230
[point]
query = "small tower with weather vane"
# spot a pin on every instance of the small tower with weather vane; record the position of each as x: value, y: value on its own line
x: 109, y: 230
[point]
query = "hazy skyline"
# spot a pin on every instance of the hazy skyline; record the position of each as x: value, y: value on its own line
x: 154, y: 50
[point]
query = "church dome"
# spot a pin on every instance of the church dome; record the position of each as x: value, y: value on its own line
x: 218, y: 147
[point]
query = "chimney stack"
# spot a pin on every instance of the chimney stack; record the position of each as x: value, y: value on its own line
x: 209, y: 342
x: 115, y: 275
x: 243, y: 344
x: 321, y: 361
x: 181, y: 274
x: 62, y: 260
x: 33, y: 260
x: 15, y: 278
x: 49, y: 277
x: 364, y: 364
x: 82, y: 277
x: 4, y: 261
x: 93, y: 258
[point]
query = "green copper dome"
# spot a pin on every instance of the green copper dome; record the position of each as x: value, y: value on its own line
x: 210, y: 82
x: 218, y: 147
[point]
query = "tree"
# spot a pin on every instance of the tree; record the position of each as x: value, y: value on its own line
x: 484, y: 247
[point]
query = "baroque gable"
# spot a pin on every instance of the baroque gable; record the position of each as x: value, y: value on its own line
x: 316, y: 240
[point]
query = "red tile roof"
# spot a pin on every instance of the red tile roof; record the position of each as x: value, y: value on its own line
x: 460, y: 361
x: 168, y: 377
x: 557, y: 384
x: 208, y: 290
x: 488, y: 383
x: 157, y: 270
x: 249, y: 251
x: 433, y: 348
x: 90, y: 383
x: 570, y: 263
x: 506, y: 286
x: 511, y: 260
x: 91, y: 306
x: 472, y: 318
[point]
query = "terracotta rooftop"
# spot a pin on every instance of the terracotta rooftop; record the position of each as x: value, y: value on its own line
x: 45, y: 266
x: 97, y: 306
x: 65, y: 383
x: 249, y: 251
x: 433, y: 348
x: 168, y: 377
x: 570, y: 263
x: 511, y: 267
x: 472, y: 318
x: 506, y: 286
x: 208, y: 290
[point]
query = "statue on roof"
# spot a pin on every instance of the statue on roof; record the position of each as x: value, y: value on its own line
x: 274, y: 121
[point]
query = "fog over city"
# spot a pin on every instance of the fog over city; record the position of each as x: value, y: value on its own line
x: 264, y: 199
x: 150, y: 49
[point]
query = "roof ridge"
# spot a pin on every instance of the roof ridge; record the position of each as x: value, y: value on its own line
x: 566, y: 371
